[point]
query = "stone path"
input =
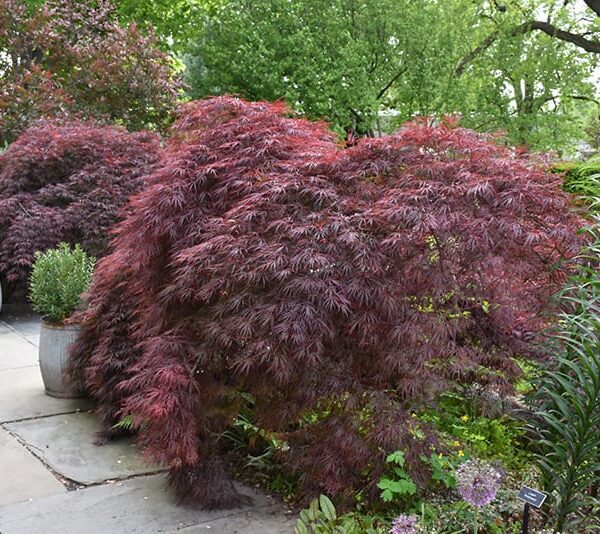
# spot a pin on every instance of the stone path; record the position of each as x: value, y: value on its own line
x: 53, y: 479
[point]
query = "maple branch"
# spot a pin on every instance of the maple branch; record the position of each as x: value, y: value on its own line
x: 594, y: 5
x: 465, y: 60
x: 583, y: 97
x: 588, y: 45
x: 389, y: 84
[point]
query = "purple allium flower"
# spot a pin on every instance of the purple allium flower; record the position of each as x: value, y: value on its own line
x: 478, y: 482
x: 405, y: 524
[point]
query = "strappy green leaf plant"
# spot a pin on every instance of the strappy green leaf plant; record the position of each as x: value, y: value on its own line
x: 584, y: 180
x: 568, y: 399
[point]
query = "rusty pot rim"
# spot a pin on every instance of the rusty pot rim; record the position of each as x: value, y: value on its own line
x: 60, y: 326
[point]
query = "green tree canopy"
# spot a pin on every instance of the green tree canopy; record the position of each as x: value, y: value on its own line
x: 176, y: 21
x: 350, y: 60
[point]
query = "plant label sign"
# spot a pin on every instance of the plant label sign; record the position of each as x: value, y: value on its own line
x: 531, y: 496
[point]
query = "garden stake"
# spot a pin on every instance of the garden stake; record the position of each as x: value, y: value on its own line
x: 525, y: 519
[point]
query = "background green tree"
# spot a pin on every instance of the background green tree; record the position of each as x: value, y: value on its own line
x: 535, y: 81
x: 349, y: 60
x: 175, y: 21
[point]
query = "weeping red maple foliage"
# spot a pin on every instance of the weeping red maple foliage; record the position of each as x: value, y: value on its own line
x: 339, y: 288
x: 65, y: 182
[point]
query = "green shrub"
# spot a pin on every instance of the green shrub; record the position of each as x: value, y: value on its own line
x: 58, y: 279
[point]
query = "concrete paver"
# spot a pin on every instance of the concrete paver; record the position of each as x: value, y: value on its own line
x: 16, y: 351
x: 57, y: 436
x: 21, y: 388
x: 22, y: 396
x: 26, y: 325
x: 22, y: 476
x: 141, y: 505
x: 66, y: 444
x: 260, y: 521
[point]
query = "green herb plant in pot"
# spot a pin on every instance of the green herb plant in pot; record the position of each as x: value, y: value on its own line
x: 59, y: 278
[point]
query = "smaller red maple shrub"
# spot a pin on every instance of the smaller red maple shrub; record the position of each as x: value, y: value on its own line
x: 65, y: 183
x: 349, y: 285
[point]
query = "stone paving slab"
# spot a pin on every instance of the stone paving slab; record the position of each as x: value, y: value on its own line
x: 22, y: 396
x: 15, y: 351
x: 141, y: 505
x: 268, y: 520
x: 59, y: 440
x: 66, y: 444
x: 22, y: 476
x: 27, y: 325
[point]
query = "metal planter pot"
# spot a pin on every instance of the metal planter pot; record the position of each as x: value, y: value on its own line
x: 54, y: 344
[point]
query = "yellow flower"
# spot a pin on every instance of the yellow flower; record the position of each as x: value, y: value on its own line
x: 461, y: 453
x: 464, y: 418
x: 456, y: 443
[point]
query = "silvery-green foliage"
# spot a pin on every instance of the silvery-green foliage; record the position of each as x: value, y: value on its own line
x: 59, y: 277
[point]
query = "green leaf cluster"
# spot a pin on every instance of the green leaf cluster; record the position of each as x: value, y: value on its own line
x: 459, y: 421
x: 442, y: 469
x: 321, y: 518
x: 175, y: 21
x: 126, y: 423
x: 399, y: 483
x: 583, y: 179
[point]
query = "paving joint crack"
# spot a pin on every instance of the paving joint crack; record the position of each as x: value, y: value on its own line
x: 44, y: 416
x: 21, y: 367
x: 14, y: 330
x: 108, y: 481
x: 233, y: 513
x: 63, y: 480
x: 69, y: 483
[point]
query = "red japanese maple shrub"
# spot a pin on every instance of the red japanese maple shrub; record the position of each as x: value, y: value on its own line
x: 65, y: 183
x: 347, y: 284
